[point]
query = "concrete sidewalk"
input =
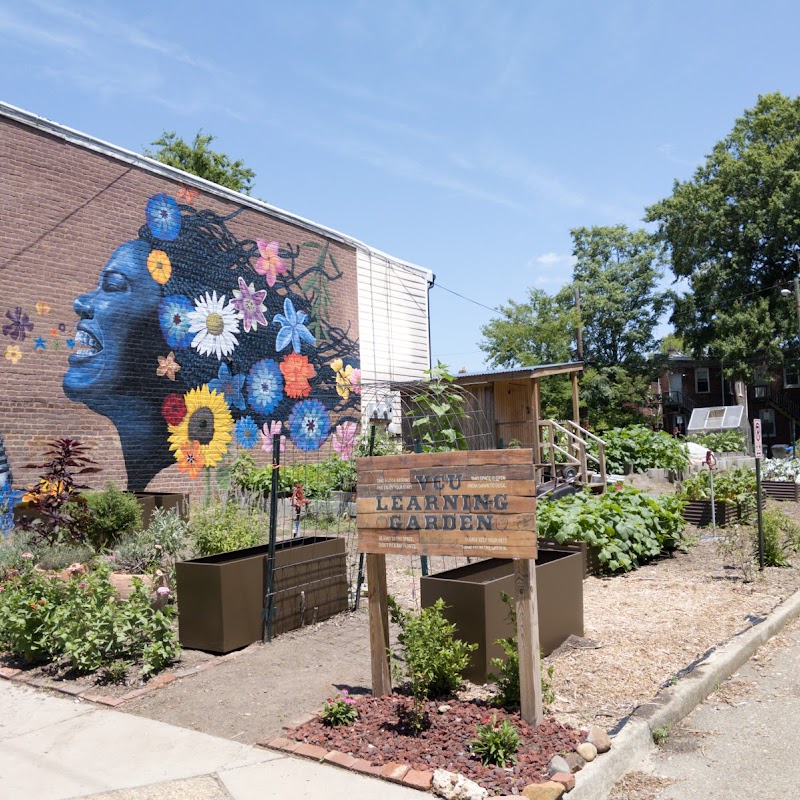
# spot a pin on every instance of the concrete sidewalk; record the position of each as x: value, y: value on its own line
x: 55, y: 748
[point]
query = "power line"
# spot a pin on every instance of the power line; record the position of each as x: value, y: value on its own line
x: 438, y: 285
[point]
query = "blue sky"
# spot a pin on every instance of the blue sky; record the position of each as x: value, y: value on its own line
x: 465, y: 136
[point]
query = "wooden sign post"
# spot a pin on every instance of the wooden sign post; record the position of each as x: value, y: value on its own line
x: 478, y: 503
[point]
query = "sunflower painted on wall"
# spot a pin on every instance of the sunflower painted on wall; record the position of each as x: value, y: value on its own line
x: 193, y: 340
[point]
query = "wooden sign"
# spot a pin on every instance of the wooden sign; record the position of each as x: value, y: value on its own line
x: 473, y: 503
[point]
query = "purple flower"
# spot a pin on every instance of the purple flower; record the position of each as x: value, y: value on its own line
x: 20, y: 323
x: 162, y: 590
x: 249, y: 305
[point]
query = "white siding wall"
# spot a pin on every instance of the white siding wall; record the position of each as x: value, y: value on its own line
x: 392, y: 319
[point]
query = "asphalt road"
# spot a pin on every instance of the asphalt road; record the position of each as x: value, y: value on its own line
x: 743, y: 741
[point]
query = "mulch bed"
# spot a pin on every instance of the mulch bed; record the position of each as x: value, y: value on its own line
x: 380, y: 737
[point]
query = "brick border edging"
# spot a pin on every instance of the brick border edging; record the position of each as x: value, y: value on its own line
x: 92, y: 694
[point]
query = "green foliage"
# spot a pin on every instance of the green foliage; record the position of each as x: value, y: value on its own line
x: 11, y: 550
x: 438, y: 413
x: 247, y: 476
x: 158, y: 547
x: 736, y: 486
x: 226, y: 525
x: 340, y: 710
x: 434, y: 658
x: 627, y: 526
x: 642, y: 449
x: 496, y: 744
x: 319, y: 480
x: 59, y: 557
x: 113, y: 514
x: 44, y: 619
x: 731, y: 227
x: 612, y: 395
x: 660, y: 735
x: 199, y: 159
x: 722, y: 442
x: 781, y: 538
x: 384, y: 445
x: 737, y: 547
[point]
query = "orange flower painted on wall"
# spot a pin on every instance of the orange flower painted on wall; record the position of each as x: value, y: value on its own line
x: 190, y: 459
x: 167, y: 366
x: 297, y: 371
x: 159, y: 266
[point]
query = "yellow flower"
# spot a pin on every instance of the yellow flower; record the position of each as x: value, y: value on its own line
x: 336, y: 364
x: 167, y: 366
x: 159, y: 266
x: 208, y: 421
x: 13, y: 353
x: 343, y: 383
x: 42, y: 308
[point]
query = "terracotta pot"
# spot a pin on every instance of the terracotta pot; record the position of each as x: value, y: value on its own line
x: 123, y: 586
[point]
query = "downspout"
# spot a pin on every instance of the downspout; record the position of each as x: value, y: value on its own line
x: 431, y: 283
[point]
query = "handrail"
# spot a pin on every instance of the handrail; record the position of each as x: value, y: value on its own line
x: 585, y: 454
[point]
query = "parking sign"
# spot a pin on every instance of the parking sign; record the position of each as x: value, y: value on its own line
x: 758, y: 448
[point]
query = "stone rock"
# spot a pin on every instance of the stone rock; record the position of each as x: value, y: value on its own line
x: 575, y: 762
x: 551, y: 790
x: 566, y: 779
x: 587, y: 751
x: 453, y: 786
x: 558, y: 764
x: 599, y: 738
x: 444, y: 709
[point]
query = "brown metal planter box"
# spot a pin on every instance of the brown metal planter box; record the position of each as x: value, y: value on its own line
x: 781, y: 490
x: 590, y: 554
x: 698, y: 512
x: 472, y: 599
x: 150, y: 501
x: 221, y: 597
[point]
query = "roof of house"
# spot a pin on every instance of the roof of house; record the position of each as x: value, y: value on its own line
x: 173, y: 173
x: 516, y: 373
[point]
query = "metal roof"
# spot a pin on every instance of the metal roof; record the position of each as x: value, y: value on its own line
x: 538, y: 371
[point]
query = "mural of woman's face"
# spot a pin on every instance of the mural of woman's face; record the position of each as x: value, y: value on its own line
x: 118, y: 332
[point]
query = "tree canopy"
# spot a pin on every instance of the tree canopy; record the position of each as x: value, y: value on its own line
x: 733, y: 232
x: 199, y: 159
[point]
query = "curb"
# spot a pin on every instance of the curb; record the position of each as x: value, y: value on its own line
x: 635, y: 740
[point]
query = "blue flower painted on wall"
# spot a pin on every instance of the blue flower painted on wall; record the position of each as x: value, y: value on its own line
x: 226, y: 311
x: 19, y: 326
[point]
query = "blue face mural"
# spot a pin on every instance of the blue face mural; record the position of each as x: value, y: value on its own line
x: 195, y: 340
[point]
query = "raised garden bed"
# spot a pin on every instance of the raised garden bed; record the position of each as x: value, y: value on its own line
x: 698, y: 512
x: 221, y: 597
x: 781, y: 490
x: 472, y: 597
x: 150, y: 501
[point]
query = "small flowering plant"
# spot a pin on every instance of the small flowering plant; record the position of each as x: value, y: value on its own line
x: 340, y: 710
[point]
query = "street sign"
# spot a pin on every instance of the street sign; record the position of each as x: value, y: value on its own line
x: 757, y: 446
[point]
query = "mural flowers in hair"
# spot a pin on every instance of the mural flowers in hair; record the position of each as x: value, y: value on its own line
x: 39, y: 343
x: 188, y: 194
x: 293, y: 329
x: 355, y: 381
x: 230, y: 385
x: 190, y: 459
x: 19, y: 326
x: 42, y: 308
x: 13, y: 353
x: 344, y: 439
x: 297, y: 371
x: 264, y: 386
x: 207, y: 421
x: 173, y: 317
x: 249, y: 305
x: 167, y: 366
x: 270, y: 430
x: 159, y: 266
x: 173, y: 409
x: 309, y: 424
x: 163, y: 217
x: 215, y: 326
x: 270, y: 265
x: 246, y: 432
x: 343, y: 378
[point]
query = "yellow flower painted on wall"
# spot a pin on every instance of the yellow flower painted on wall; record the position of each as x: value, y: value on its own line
x: 208, y: 421
x: 159, y: 266
x: 167, y: 366
x: 13, y: 353
x: 42, y: 308
x: 343, y: 374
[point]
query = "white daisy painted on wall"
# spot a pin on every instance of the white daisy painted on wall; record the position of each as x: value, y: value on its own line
x: 215, y: 325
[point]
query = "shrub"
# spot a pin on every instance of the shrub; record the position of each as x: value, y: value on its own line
x: 781, y: 537
x: 737, y: 548
x: 627, y: 525
x: 11, y: 550
x: 496, y: 744
x: 113, y: 515
x: 247, y: 476
x: 226, y: 525
x: 643, y: 449
x: 158, y: 547
x: 722, y: 442
x: 339, y: 711
x: 59, y: 557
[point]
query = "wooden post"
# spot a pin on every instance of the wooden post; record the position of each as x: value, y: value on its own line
x: 576, y: 405
x: 530, y: 682
x: 536, y: 413
x: 378, y: 624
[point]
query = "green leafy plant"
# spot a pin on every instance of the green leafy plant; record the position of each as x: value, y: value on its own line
x: 113, y: 514
x: 496, y: 744
x: 340, y: 710
x: 384, y: 444
x: 639, y: 448
x: 737, y: 548
x: 247, y: 476
x: 226, y: 525
x: 439, y: 408
x: 158, y: 547
x: 59, y: 557
x: 660, y: 735
x: 737, y: 486
x: 721, y: 442
x: 781, y: 536
x: 626, y: 525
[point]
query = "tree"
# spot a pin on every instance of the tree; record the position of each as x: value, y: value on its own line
x: 733, y: 231
x: 199, y: 159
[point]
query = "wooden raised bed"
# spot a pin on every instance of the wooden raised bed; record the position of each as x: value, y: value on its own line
x: 221, y: 597
x: 781, y: 490
x: 472, y: 602
x: 698, y: 512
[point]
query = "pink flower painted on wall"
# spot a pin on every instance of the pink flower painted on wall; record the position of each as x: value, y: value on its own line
x: 344, y: 439
x: 271, y: 429
x: 270, y: 265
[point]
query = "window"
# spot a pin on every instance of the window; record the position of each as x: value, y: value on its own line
x: 767, y: 416
x: 791, y: 374
x: 701, y: 382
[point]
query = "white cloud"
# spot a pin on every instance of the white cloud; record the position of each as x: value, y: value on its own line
x: 555, y: 260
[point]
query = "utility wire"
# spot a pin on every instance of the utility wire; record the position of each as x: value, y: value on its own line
x: 438, y: 285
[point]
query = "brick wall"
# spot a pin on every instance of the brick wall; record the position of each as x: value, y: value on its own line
x: 64, y: 210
